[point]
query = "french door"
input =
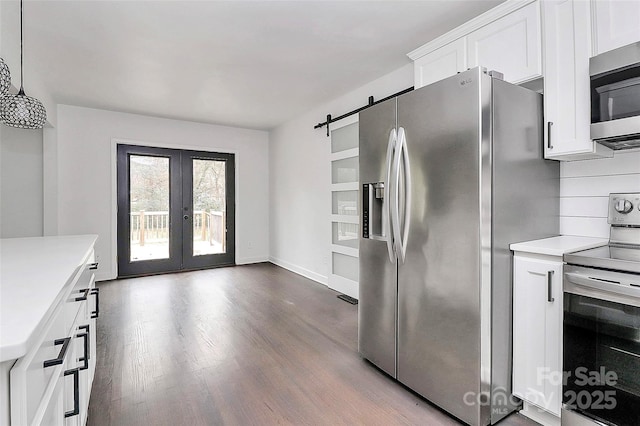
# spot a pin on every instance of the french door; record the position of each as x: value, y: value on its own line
x: 176, y: 210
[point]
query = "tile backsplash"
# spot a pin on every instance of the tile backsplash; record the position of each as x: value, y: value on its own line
x: 585, y: 187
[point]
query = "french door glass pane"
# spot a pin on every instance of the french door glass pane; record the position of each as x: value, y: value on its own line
x: 209, y: 209
x: 149, y: 207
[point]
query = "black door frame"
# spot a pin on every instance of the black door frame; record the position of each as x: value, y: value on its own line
x: 181, y: 219
x: 228, y: 258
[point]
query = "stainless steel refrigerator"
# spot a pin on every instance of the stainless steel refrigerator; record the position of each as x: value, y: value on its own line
x: 450, y: 175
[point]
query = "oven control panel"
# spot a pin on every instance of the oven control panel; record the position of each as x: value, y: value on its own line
x: 624, y: 209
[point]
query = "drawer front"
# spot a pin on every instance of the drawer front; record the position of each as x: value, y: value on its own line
x: 29, y: 376
x: 79, y: 296
x: 47, y: 403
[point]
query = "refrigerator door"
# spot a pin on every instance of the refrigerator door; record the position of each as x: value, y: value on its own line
x: 377, y: 308
x: 439, y: 283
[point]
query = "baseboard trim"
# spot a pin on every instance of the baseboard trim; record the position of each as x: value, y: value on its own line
x: 249, y: 260
x: 300, y: 270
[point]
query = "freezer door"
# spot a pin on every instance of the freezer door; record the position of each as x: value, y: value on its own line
x: 439, y: 315
x: 377, y: 305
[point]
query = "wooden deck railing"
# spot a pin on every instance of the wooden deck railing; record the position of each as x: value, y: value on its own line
x: 153, y: 226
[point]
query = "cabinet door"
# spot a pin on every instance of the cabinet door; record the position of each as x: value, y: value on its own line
x: 566, y: 81
x: 616, y: 24
x: 441, y: 63
x: 510, y: 45
x: 537, y: 328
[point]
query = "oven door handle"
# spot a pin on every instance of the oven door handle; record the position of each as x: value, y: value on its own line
x: 602, y: 289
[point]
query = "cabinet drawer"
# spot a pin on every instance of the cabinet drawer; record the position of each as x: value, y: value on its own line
x: 29, y: 376
x: 79, y: 296
x: 43, y: 391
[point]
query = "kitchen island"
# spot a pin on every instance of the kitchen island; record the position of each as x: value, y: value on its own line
x: 48, y: 307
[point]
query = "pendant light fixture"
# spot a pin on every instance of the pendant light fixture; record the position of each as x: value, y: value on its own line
x: 20, y: 110
x: 5, y: 78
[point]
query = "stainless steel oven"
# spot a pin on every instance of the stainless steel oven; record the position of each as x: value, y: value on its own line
x: 601, y: 346
x: 615, y: 97
x: 601, y: 332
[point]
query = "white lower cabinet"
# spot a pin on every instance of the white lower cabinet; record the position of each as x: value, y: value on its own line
x: 51, y: 384
x: 537, y: 331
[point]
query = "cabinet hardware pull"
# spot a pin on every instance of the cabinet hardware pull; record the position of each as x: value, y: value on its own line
x: 85, y: 337
x: 550, y: 286
x: 96, y: 313
x: 84, y: 296
x: 549, y: 124
x: 76, y: 392
x: 93, y: 265
x: 60, y: 359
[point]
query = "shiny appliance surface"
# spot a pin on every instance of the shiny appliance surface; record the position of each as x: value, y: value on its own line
x: 378, y: 288
x: 615, y: 97
x: 461, y: 164
x: 602, y: 324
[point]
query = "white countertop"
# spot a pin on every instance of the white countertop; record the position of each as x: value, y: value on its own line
x: 557, y: 246
x: 33, y: 273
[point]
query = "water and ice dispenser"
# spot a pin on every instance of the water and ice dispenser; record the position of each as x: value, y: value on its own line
x: 374, y: 211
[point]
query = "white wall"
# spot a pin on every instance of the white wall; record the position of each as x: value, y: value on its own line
x: 300, y: 184
x: 585, y: 187
x: 85, y: 175
x: 300, y: 180
x: 20, y: 182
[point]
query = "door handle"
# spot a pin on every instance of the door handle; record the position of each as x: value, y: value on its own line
x: 87, y: 351
x: 407, y: 191
x: 84, y: 296
x: 549, y: 125
x: 76, y: 392
x: 60, y: 359
x: 550, y: 287
x: 96, y: 293
x: 395, y: 197
x: 391, y: 147
x: 185, y: 217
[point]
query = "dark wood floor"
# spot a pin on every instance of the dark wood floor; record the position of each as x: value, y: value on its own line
x: 247, y: 345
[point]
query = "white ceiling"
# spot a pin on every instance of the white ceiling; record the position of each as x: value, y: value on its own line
x: 252, y: 64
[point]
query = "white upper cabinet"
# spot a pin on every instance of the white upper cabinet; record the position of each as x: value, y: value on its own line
x: 510, y: 45
x: 566, y: 43
x: 616, y: 24
x: 444, y: 62
x: 505, y: 39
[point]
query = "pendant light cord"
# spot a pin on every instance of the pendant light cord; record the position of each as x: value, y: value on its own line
x: 21, y: 53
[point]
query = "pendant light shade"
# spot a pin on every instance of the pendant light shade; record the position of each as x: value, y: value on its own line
x: 20, y: 110
x: 5, y: 78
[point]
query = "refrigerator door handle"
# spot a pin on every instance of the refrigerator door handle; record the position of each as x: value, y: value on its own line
x: 391, y: 148
x: 395, y: 197
x: 402, y: 137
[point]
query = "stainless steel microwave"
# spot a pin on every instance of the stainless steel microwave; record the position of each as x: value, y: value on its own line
x: 615, y: 97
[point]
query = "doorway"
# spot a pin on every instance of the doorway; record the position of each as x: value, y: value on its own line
x: 176, y: 210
